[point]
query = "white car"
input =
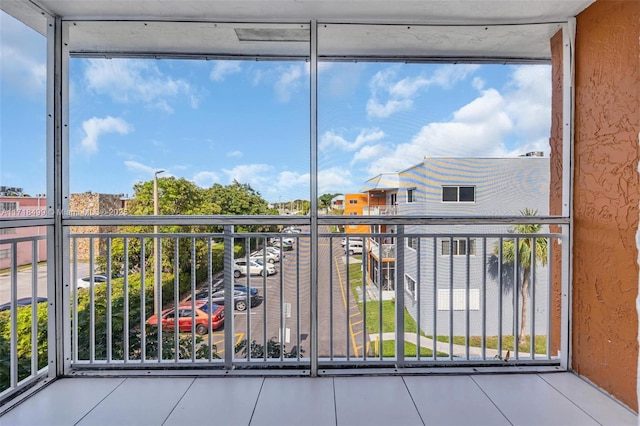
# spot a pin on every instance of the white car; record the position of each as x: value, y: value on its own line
x: 352, y: 240
x: 272, y: 256
x: 253, y: 267
x: 354, y: 248
x: 86, y: 281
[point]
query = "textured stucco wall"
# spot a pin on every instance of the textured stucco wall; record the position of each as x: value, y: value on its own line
x: 607, y: 197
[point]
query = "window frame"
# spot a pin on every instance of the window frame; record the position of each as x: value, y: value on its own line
x: 458, y: 190
x: 470, y: 247
x: 408, y: 283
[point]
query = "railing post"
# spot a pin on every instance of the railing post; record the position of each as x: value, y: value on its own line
x: 313, y: 249
x: 228, y: 299
x: 399, y: 292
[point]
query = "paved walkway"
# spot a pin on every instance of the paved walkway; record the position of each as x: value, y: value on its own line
x: 443, y: 347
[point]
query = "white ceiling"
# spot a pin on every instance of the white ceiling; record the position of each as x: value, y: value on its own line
x: 435, y: 29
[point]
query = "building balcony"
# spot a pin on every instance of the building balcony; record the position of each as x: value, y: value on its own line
x: 113, y: 341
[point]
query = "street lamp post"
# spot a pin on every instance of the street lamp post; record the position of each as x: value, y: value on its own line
x: 158, y: 267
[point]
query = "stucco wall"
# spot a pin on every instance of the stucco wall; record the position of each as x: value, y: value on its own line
x: 606, y: 197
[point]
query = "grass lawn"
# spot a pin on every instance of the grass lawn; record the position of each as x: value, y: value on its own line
x: 507, y: 343
x: 389, y: 349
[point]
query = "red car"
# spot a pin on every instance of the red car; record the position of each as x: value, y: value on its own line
x: 202, y: 315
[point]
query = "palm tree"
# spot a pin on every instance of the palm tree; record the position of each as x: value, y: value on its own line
x: 530, y: 251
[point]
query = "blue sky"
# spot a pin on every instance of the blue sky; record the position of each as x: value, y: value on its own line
x: 216, y: 121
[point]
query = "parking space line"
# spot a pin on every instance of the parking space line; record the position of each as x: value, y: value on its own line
x: 344, y: 299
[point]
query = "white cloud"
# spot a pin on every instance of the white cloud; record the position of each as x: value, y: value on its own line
x: 376, y: 109
x: 288, y: 82
x: 206, y: 179
x: 447, y: 75
x: 139, y: 167
x: 334, y: 179
x: 288, y: 179
x: 135, y: 80
x: 391, y: 94
x: 23, y: 58
x: 222, y: 69
x: 478, y: 83
x: 235, y: 154
x: 494, y: 124
x: 95, y: 127
x: 529, y: 103
x: 255, y: 175
x: 370, y: 152
x: 332, y: 140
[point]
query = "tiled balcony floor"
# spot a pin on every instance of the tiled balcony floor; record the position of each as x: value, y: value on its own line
x: 523, y: 399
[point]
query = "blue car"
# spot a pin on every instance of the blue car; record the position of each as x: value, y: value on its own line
x: 25, y: 301
x: 236, y: 286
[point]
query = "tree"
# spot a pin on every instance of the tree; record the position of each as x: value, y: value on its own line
x: 530, y: 251
x: 324, y: 201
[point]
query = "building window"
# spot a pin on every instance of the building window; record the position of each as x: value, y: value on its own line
x: 460, y: 247
x: 412, y: 242
x: 5, y: 253
x: 353, y: 201
x: 410, y: 286
x: 458, y: 194
x: 409, y: 195
x: 8, y: 206
x: 459, y: 299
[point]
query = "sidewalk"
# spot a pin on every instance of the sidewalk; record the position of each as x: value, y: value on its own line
x: 425, y: 342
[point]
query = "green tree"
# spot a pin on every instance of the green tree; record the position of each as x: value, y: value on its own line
x: 530, y: 251
x: 324, y: 201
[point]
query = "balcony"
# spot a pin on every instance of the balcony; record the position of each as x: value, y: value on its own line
x: 379, y: 210
x: 437, y: 333
x: 536, y: 399
x: 360, y: 331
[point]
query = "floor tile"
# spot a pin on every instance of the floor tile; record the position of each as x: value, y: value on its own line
x: 526, y: 399
x: 374, y: 401
x: 229, y: 401
x: 295, y: 401
x: 139, y: 401
x: 64, y: 402
x: 598, y: 405
x: 439, y: 400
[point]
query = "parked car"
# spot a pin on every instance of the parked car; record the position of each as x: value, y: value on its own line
x: 351, y: 240
x: 354, y: 248
x: 252, y: 267
x: 25, y: 301
x: 272, y: 257
x: 286, y: 242
x: 292, y: 230
x: 86, y: 281
x: 205, y: 316
x: 217, y: 297
x: 219, y: 285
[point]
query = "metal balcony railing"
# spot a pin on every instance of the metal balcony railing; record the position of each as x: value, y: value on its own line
x: 460, y: 289
x: 23, y: 314
x: 224, y: 302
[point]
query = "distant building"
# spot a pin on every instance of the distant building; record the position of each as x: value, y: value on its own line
x: 94, y: 204
x: 18, y: 205
x: 453, y: 187
x: 337, y: 202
